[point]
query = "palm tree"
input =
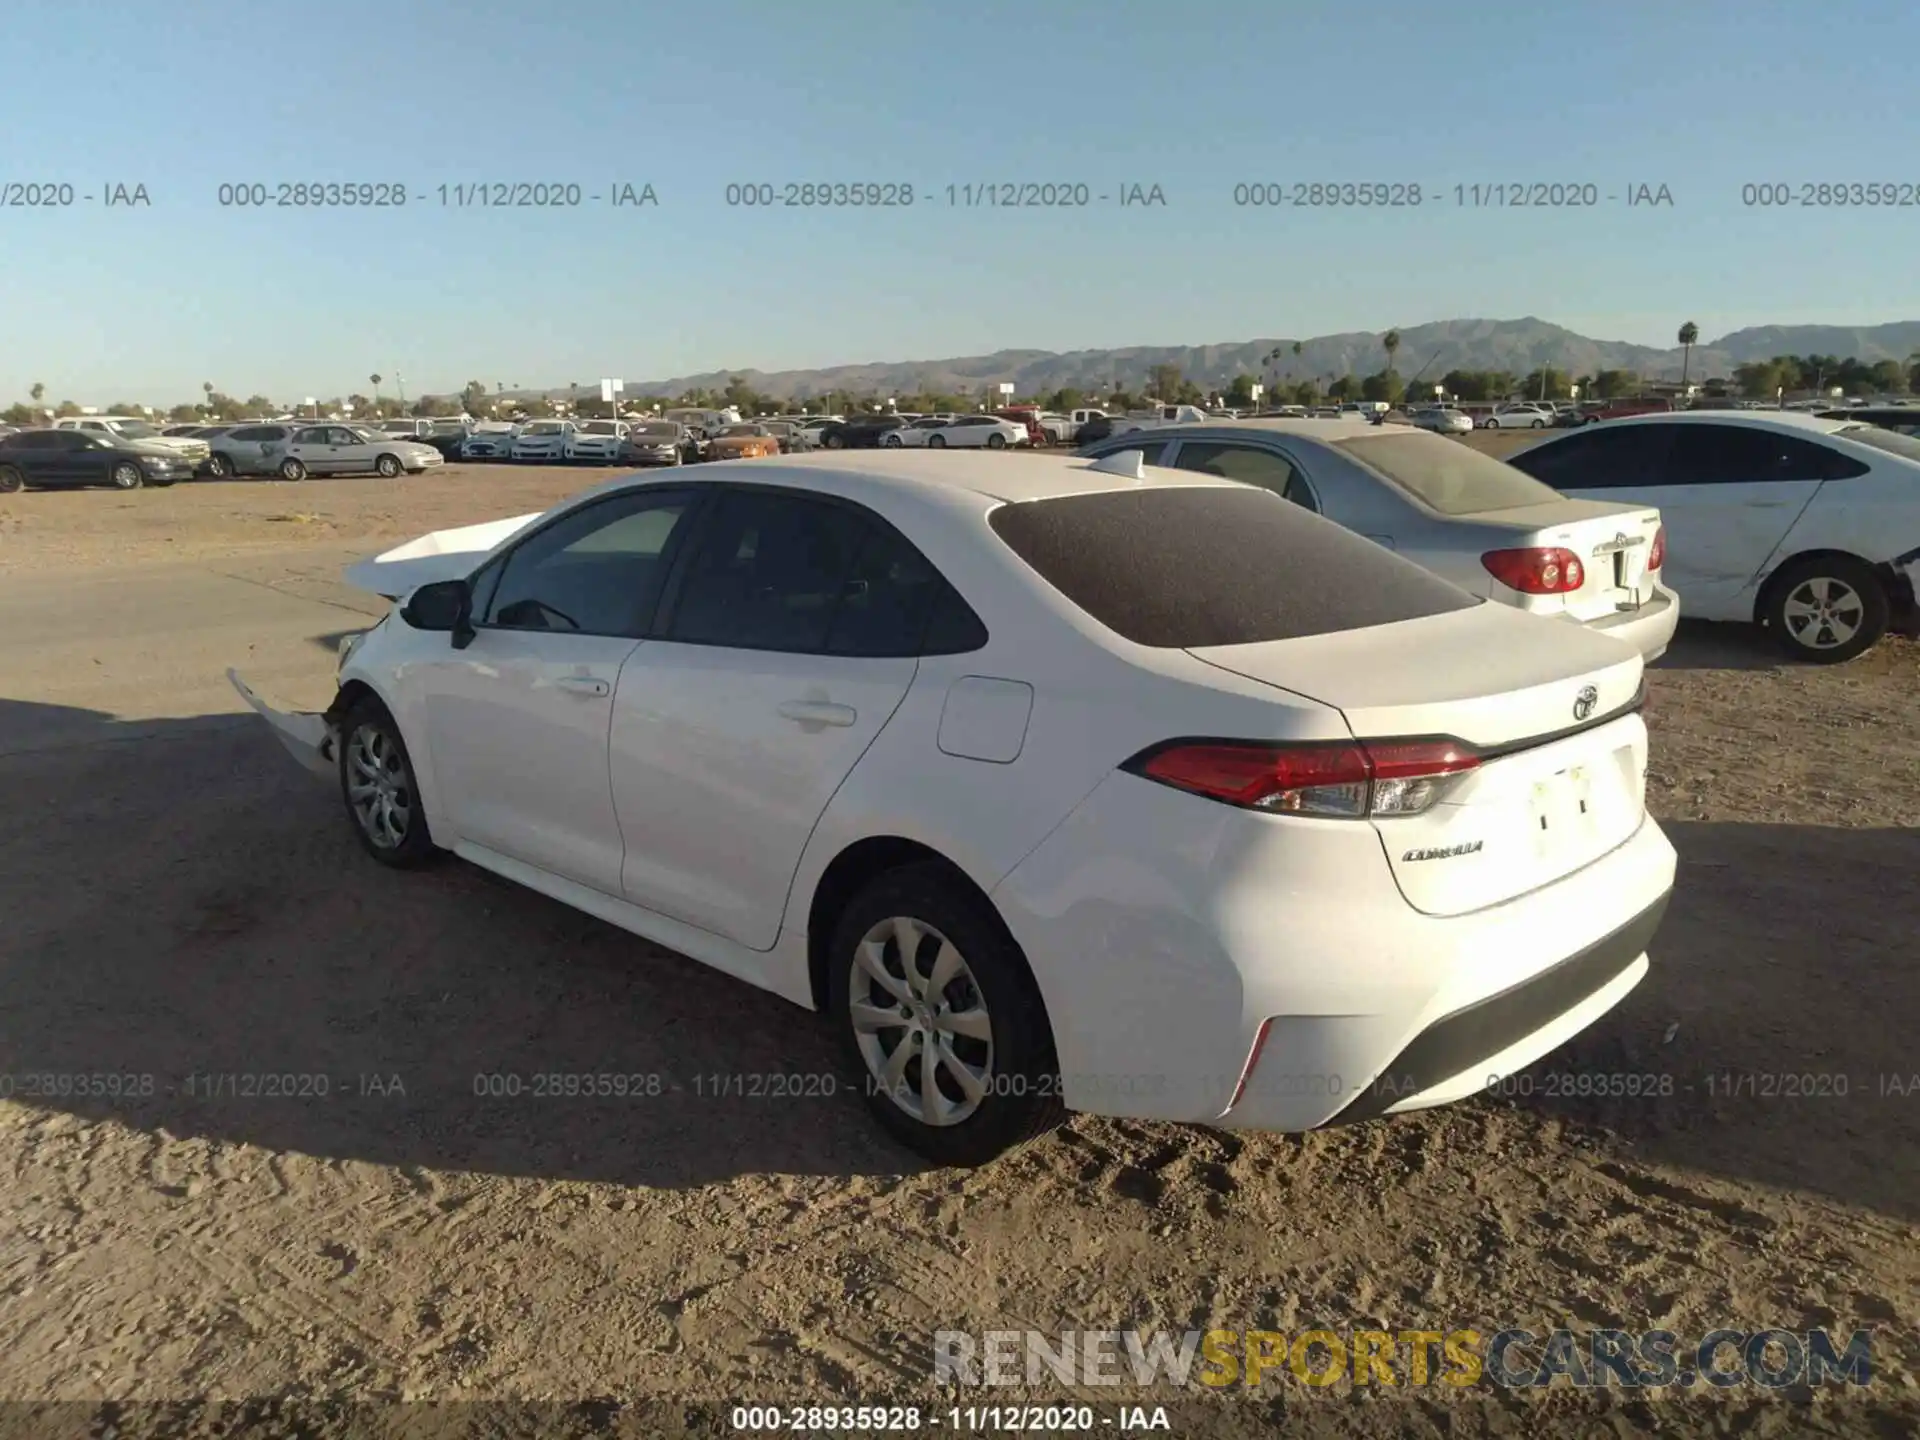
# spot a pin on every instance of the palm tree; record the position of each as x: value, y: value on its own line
x: 38, y: 391
x: 1390, y: 342
x: 375, y: 379
x: 1689, y: 337
x: 206, y: 387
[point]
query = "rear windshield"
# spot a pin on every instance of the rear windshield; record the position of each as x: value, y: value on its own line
x: 1877, y: 438
x: 1180, y: 566
x: 1443, y: 475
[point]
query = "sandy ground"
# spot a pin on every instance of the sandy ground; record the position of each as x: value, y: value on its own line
x: 180, y: 899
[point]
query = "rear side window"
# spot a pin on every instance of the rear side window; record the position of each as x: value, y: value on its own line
x: 1216, y: 565
x: 1444, y: 476
x: 1743, y: 455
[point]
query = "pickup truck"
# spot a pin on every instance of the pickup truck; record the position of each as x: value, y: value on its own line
x: 1159, y: 418
x: 1621, y: 409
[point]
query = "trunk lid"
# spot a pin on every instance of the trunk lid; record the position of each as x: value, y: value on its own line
x: 1613, y: 543
x: 1551, y: 707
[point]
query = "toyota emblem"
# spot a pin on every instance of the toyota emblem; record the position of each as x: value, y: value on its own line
x: 1584, y: 702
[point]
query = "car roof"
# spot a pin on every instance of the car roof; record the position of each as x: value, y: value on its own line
x: 872, y: 476
x: 1753, y: 419
x: 1254, y: 427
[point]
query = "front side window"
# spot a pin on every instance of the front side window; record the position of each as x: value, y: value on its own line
x: 1602, y: 457
x: 598, y: 571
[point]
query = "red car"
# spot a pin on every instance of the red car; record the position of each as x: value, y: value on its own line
x: 1028, y: 416
x: 1621, y: 409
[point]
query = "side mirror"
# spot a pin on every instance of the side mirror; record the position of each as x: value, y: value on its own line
x: 445, y: 605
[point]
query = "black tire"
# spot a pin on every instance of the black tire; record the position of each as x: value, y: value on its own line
x: 936, y: 442
x: 11, y: 480
x: 1490, y: 424
x: 835, y: 442
x: 996, y: 442
x: 292, y: 469
x: 219, y: 467
x: 893, y: 442
x: 388, y: 466
x: 126, y: 475
x: 1538, y: 425
x: 1839, y: 590
x: 415, y: 846
x: 1022, y: 1099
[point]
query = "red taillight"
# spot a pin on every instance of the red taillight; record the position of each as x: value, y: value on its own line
x: 1349, y: 779
x: 1657, y: 556
x: 1539, y: 570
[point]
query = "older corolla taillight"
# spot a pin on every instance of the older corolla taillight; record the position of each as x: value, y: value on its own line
x: 1341, y: 779
x: 1536, y: 570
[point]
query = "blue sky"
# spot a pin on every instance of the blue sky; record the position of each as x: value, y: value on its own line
x: 185, y: 96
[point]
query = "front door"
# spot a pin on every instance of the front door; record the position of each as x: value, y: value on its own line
x: 518, y: 721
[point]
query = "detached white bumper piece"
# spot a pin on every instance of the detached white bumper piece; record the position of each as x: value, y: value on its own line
x: 308, y: 737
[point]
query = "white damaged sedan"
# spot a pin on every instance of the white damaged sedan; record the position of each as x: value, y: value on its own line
x: 1061, y: 786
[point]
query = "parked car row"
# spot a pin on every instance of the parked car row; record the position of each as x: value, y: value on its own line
x: 1808, y: 527
x: 127, y: 454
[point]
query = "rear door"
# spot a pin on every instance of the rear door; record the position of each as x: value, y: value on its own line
x: 1727, y: 494
x: 786, y: 641
x: 81, y: 457
x: 1733, y: 493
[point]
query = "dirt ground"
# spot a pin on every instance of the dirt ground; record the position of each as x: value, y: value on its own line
x: 180, y: 900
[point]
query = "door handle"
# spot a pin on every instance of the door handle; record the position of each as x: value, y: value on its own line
x: 583, y: 685
x: 817, y: 712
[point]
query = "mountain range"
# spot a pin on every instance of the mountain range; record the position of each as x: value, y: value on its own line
x: 1517, y: 346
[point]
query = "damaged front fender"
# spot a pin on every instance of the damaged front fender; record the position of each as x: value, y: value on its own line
x: 311, y: 739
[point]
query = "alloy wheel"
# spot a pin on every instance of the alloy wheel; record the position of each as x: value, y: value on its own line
x: 920, y: 1021
x: 1822, y: 613
x: 379, y: 787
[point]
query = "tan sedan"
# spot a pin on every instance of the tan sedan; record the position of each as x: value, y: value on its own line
x: 743, y: 442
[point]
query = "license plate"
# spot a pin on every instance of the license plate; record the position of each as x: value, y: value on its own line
x: 1562, y: 809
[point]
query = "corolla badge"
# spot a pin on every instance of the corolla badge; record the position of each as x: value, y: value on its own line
x: 1445, y: 852
x: 1584, y: 702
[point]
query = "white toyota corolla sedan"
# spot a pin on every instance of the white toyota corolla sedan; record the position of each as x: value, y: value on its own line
x: 1066, y: 786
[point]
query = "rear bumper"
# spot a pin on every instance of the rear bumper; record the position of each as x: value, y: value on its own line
x: 1474, y: 1048
x: 1649, y: 629
x: 1169, y: 935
